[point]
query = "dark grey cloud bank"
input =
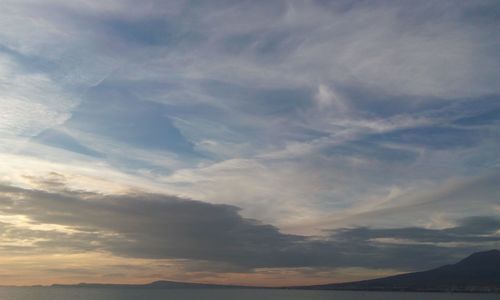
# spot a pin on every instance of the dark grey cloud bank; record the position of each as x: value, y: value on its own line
x: 218, y: 238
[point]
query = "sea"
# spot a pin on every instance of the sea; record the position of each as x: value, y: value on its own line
x: 63, y: 293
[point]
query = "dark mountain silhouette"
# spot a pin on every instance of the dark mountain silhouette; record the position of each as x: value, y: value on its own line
x: 478, y: 272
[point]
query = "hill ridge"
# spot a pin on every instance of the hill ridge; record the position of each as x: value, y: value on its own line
x: 477, y: 272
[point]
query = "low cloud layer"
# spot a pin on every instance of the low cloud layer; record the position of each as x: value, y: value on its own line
x: 153, y: 226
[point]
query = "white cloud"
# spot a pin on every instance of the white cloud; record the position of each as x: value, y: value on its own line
x: 29, y: 102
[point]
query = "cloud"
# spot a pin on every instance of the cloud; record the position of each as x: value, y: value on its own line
x: 64, y: 140
x: 125, y: 118
x: 154, y: 226
x: 31, y: 101
x: 471, y: 229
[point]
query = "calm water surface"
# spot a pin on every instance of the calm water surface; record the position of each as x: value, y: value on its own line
x: 215, y: 294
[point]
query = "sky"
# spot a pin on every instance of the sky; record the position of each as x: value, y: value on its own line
x: 246, y: 142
